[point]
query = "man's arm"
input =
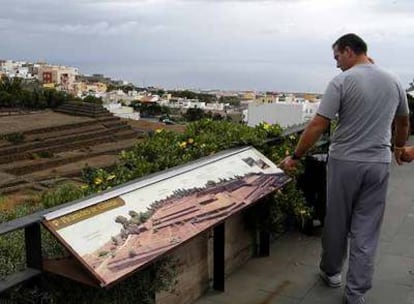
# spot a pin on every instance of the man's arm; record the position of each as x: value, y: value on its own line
x: 314, y: 130
x: 316, y: 127
x: 401, y: 129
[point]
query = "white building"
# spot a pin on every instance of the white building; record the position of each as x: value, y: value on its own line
x: 215, y: 106
x: 13, y: 69
x: 116, y: 96
x: 122, y: 111
x: 284, y: 114
x: 288, y: 98
x: 184, y: 103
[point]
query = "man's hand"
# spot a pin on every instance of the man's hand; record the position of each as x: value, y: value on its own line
x: 288, y: 164
x: 408, y: 154
x: 398, y: 154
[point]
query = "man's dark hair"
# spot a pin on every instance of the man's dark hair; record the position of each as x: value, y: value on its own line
x: 354, y: 42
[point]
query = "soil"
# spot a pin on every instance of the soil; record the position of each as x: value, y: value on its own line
x: 45, y: 155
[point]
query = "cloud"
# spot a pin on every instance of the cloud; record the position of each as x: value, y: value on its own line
x: 217, y: 38
x: 244, y: 1
x: 77, y: 17
x: 394, y: 6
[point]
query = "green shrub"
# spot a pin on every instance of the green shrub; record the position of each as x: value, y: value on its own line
x: 12, y: 254
x: 41, y: 154
x: 62, y: 194
x: 45, y: 154
x: 93, y: 99
x: 12, y: 257
x: 14, y: 138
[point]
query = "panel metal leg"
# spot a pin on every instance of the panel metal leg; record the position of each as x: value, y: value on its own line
x: 218, y: 269
x: 33, y: 244
x: 264, y: 244
x: 152, y: 275
x: 263, y: 248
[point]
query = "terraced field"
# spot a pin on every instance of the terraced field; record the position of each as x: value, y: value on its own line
x: 57, y: 146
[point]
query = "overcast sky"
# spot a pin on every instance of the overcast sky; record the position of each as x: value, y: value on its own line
x: 280, y: 45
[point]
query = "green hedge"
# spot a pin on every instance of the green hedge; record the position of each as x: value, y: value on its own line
x: 165, y: 149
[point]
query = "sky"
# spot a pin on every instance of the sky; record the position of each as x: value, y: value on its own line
x: 273, y: 45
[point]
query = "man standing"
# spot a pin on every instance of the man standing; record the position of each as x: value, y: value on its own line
x: 366, y: 100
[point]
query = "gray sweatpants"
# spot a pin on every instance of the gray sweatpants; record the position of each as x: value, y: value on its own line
x: 356, y: 193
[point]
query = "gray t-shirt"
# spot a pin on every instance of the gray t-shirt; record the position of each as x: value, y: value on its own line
x: 366, y: 99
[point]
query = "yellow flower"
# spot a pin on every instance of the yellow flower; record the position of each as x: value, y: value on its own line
x: 110, y: 177
x: 190, y: 141
x: 287, y: 152
x: 183, y: 144
x: 158, y: 131
x: 98, y: 181
x: 84, y: 187
x: 302, y: 211
x: 266, y: 126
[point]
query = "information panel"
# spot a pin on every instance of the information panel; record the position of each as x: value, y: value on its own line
x: 119, y: 233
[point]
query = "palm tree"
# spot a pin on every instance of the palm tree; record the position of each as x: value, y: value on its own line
x: 11, y: 85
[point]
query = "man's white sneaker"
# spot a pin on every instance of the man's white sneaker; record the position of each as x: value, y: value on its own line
x: 360, y: 301
x: 333, y: 280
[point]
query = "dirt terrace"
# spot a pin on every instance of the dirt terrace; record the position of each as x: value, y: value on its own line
x: 57, y: 146
x: 21, y: 123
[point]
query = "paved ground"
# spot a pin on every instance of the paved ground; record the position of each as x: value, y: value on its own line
x: 290, y: 274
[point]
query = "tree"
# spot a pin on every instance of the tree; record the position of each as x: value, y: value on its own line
x: 93, y: 99
x: 110, y: 87
x: 11, y: 85
x: 39, y: 98
x: 184, y: 94
x: 193, y: 114
x: 15, y: 93
x: 207, y: 98
x: 203, y: 97
x: 11, y: 92
x: 217, y: 116
x: 150, y: 109
x: 6, y: 99
x: 158, y: 92
x: 232, y: 100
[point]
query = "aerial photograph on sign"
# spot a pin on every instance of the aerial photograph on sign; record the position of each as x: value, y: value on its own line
x: 117, y: 236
